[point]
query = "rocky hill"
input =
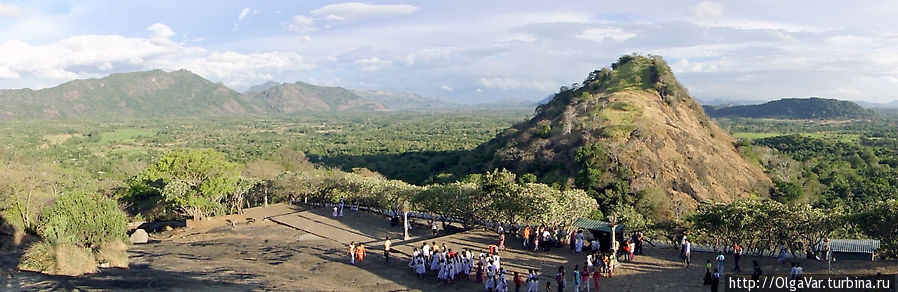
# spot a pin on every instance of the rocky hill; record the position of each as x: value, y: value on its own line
x: 813, y: 108
x: 148, y: 94
x: 296, y: 97
x: 628, y: 130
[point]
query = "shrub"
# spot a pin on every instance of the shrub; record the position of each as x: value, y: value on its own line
x: 38, y: 258
x: 61, y: 259
x: 83, y: 219
x: 73, y: 228
x: 115, y: 253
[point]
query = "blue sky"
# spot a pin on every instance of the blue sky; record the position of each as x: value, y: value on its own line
x: 469, y: 51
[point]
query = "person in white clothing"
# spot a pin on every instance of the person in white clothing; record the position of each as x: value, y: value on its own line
x: 501, y: 283
x: 579, y: 247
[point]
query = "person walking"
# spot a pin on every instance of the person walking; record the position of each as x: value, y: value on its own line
x: 433, y: 228
x: 502, y: 241
x: 715, y: 281
x: 756, y: 274
x: 526, y: 234
x: 639, y: 240
x: 596, y: 275
x: 352, y: 252
x: 687, y: 252
x: 720, y: 259
x: 387, y: 247
x: 708, y: 273
x: 577, y: 278
x: 361, y: 252
x: 584, y: 278
x: 559, y: 278
x: 737, y: 253
x: 341, y: 207
x: 517, y: 282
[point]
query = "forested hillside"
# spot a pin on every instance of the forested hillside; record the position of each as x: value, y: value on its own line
x: 149, y: 94
x: 295, y: 97
x: 813, y: 108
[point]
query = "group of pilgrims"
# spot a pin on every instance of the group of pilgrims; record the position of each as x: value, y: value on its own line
x: 451, y: 266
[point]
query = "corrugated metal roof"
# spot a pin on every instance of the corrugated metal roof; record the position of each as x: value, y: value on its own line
x: 852, y: 245
x: 596, y: 225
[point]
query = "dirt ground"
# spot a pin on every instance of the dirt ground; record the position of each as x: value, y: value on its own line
x: 217, y: 255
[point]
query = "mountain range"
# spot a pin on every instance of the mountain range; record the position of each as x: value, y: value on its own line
x: 161, y: 94
x: 148, y: 94
x: 296, y: 97
x: 813, y: 108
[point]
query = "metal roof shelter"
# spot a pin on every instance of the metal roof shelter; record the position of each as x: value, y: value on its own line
x: 596, y: 225
x: 601, y: 231
x: 853, y: 248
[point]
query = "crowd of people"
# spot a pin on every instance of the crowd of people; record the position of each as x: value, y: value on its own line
x: 449, y: 266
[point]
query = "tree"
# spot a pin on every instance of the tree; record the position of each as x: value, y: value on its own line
x: 503, y: 193
x: 880, y: 221
x: 265, y: 172
x: 195, y: 182
x: 786, y: 192
x: 456, y: 200
x: 815, y: 225
x: 25, y: 190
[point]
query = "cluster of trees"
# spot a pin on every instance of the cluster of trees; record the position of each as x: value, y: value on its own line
x: 201, y: 183
x: 880, y: 221
x: 830, y: 174
x: 499, y: 196
x: 765, y: 225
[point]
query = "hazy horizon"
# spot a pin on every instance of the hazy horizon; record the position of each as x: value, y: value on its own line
x: 465, y: 51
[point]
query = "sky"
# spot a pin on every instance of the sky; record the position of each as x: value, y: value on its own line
x: 467, y: 51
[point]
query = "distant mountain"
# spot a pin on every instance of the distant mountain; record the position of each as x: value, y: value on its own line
x: 147, y: 94
x: 261, y: 88
x: 296, y: 97
x: 874, y: 105
x: 407, y: 101
x: 728, y: 102
x: 511, y: 102
x: 813, y: 108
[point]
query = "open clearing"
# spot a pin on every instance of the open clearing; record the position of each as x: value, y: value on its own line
x: 214, y: 255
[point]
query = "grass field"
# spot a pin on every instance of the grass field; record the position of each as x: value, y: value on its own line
x: 828, y: 136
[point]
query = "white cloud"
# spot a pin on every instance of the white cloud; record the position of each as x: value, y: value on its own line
x: 446, y: 87
x: 161, y: 30
x: 428, y: 55
x: 708, y: 10
x: 684, y: 66
x: 373, y: 64
x: 11, y: 10
x: 243, y: 14
x: 239, y: 69
x: 849, y: 91
x: 356, y: 10
x: 753, y: 24
x: 67, y: 58
x: 504, y: 83
x: 601, y: 33
x: 301, y: 23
